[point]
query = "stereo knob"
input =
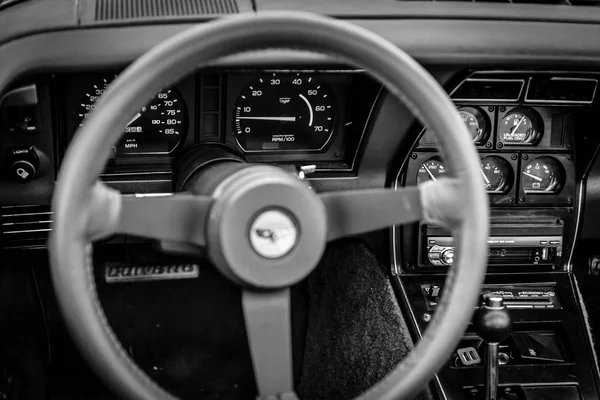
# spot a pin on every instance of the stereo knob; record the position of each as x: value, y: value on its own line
x: 448, y: 257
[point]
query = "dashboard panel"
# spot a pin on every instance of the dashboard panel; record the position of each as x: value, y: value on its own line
x: 525, y: 128
x: 294, y: 117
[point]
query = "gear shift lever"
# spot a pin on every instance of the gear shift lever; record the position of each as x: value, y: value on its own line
x: 493, y: 324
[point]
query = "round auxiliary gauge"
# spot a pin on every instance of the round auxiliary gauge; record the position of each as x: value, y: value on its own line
x: 431, y: 170
x: 543, y: 175
x: 284, y: 112
x: 497, y: 174
x: 521, y: 126
x: 157, y: 129
x: 477, y: 123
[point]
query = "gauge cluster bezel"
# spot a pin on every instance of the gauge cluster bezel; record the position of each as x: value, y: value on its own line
x: 552, y: 124
x: 564, y: 195
x: 352, y: 112
x: 355, y: 95
x: 427, y: 138
x: 303, y: 100
x: 70, y: 89
x: 509, y: 197
x: 528, y: 114
x: 517, y: 161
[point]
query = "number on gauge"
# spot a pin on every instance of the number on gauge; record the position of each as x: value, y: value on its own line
x: 157, y: 128
x: 284, y: 112
x: 543, y: 175
x: 431, y: 170
x: 476, y: 122
x: 497, y: 174
x: 520, y: 126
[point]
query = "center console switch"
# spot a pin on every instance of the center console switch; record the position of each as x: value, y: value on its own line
x: 525, y: 346
x: 514, y: 296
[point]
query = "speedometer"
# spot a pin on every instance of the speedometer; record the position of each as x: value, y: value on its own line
x: 157, y: 129
x: 284, y: 112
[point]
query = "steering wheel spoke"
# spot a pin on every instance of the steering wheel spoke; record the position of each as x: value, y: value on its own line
x: 170, y: 217
x: 268, y: 326
x: 354, y: 212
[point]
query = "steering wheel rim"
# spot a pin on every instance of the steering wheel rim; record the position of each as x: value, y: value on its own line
x: 80, y: 202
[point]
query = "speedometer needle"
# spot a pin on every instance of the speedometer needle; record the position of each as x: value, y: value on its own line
x: 429, y: 172
x: 537, y: 178
x: 284, y: 119
x: 135, y: 117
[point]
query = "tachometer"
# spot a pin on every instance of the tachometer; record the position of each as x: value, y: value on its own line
x: 156, y: 129
x: 284, y: 112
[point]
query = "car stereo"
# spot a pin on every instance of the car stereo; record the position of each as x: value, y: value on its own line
x: 512, y: 242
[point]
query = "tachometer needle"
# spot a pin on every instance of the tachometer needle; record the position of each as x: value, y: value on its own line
x: 429, y: 172
x: 284, y: 119
x: 310, y: 109
x: 537, y: 178
x: 484, y: 177
x: 135, y: 117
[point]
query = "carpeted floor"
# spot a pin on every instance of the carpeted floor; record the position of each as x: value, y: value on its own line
x: 189, y: 335
x: 23, y: 350
x: 356, y: 332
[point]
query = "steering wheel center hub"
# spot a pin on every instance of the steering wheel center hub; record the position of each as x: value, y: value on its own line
x: 267, y: 228
x: 273, y: 234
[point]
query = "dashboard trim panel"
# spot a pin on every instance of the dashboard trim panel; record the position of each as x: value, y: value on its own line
x: 449, y: 42
x: 567, y: 102
x: 522, y: 81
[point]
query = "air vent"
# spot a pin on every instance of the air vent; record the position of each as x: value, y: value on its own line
x: 24, y: 226
x: 592, y: 3
x: 110, y: 10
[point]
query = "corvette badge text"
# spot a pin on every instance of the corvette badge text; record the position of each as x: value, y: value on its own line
x: 117, y: 273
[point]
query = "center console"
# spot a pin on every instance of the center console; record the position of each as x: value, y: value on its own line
x: 527, y: 127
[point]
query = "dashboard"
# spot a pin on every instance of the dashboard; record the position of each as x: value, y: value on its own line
x: 524, y: 78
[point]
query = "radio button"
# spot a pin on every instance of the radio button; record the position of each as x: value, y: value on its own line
x: 448, y: 257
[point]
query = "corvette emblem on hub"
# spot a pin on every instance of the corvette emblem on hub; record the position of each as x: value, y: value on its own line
x: 273, y: 234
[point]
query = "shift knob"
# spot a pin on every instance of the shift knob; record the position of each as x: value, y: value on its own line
x: 493, y: 324
x: 492, y: 321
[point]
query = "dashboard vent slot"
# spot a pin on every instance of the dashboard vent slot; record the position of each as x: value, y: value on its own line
x: 24, y: 226
x: 110, y: 10
x: 592, y: 3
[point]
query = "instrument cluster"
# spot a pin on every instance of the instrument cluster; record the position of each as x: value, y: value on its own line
x: 159, y: 130
x: 286, y: 116
x: 526, y: 153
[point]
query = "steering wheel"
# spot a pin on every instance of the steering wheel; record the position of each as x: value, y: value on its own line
x: 259, y: 197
